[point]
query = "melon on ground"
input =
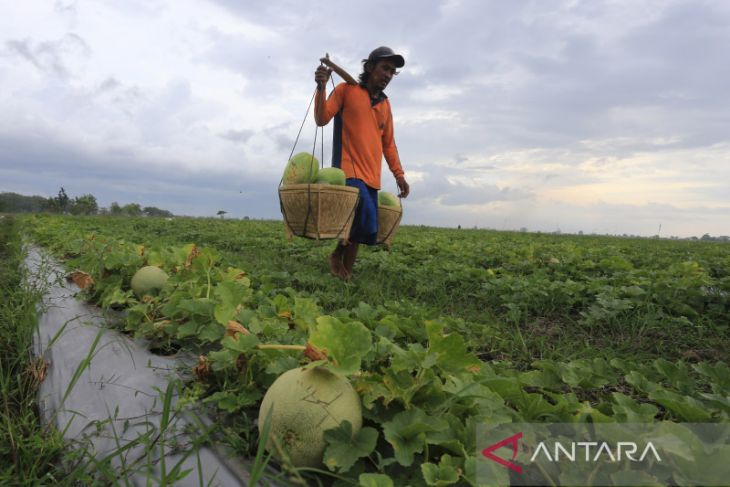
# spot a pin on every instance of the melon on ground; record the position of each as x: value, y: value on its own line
x: 331, y: 175
x: 301, y: 168
x: 304, y: 403
x: 148, y: 280
x: 388, y: 199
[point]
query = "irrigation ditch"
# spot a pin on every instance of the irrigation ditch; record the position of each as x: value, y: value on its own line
x: 111, y: 396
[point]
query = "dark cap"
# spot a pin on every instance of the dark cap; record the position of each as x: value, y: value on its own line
x: 387, y: 53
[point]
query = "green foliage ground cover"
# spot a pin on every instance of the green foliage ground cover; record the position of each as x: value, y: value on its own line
x: 449, y: 329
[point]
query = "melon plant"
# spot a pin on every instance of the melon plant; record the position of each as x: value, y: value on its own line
x: 301, y: 168
x: 388, y: 199
x: 148, y: 280
x: 304, y: 403
x: 331, y: 175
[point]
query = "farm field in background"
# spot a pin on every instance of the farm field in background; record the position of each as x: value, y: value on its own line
x: 535, y: 327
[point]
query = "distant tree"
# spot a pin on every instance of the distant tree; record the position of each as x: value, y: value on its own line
x: 84, y: 205
x: 132, y: 209
x: 18, y: 203
x: 62, y: 201
x: 115, y: 209
x: 154, y: 211
x: 221, y: 213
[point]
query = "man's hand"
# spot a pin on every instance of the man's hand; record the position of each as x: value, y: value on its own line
x: 322, y: 75
x: 403, y: 187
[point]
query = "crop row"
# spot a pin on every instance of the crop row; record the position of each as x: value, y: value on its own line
x: 424, y: 373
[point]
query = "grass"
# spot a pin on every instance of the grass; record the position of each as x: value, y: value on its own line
x: 32, y: 451
x: 29, y: 451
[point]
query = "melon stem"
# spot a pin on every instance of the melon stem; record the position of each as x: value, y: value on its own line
x: 264, y: 346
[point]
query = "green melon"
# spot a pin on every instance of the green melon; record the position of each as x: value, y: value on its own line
x: 301, y: 168
x: 331, y: 175
x: 388, y: 199
x: 304, y: 403
x: 148, y: 280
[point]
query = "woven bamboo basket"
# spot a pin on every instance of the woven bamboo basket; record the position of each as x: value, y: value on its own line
x: 388, y: 223
x: 318, y: 211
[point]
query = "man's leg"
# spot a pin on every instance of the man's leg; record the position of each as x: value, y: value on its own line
x: 336, y: 257
x: 348, y: 260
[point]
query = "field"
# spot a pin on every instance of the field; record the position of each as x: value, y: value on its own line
x: 448, y: 329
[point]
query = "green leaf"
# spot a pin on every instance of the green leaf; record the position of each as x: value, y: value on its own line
x: 240, y: 342
x: 210, y: 332
x: 344, y: 448
x: 719, y: 376
x: 445, y: 473
x: 407, y: 432
x: 451, y: 354
x: 305, y: 312
x: 374, y: 480
x: 344, y: 343
x: 232, y: 401
x: 229, y: 295
x: 676, y: 374
x: 627, y: 410
x: 188, y: 329
x: 684, y: 407
x: 197, y: 306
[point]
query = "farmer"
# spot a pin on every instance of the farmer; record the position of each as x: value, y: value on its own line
x: 363, y: 134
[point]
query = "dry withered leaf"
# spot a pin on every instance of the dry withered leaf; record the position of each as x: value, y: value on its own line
x: 202, y: 369
x: 81, y: 279
x: 37, y: 369
x: 241, y: 363
x: 234, y: 327
x: 194, y: 252
x: 313, y: 353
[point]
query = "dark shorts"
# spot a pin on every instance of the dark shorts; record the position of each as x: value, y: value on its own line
x: 365, y: 225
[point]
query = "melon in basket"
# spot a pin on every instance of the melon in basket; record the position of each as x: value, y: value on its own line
x: 302, y: 168
x: 331, y: 175
x: 388, y: 199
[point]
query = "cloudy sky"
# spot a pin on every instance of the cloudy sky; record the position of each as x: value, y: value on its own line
x: 594, y: 116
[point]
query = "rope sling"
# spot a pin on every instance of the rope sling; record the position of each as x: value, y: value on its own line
x: 309, y: 214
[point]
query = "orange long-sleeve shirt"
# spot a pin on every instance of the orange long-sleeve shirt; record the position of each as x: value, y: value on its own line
x: 363, y: 132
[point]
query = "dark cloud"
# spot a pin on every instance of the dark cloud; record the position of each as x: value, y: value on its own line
x: 49, y: 56
x: 238, y: 136
x: 125, y: 177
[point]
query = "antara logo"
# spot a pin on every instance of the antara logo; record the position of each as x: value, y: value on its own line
x: 593, y: 451
x: 512, y: 440
x: 602, y: 450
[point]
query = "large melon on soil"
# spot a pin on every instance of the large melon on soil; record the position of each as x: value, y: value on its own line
x: 331, y: 175
x: 148, y: 280
x: 388, y: 199
x: 304, y: 403
x: 301, y: 168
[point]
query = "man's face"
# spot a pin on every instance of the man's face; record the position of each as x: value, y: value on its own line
x: 382, y: 73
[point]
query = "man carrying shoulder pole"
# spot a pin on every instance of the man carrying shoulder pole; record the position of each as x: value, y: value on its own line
x: 363, y: 134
